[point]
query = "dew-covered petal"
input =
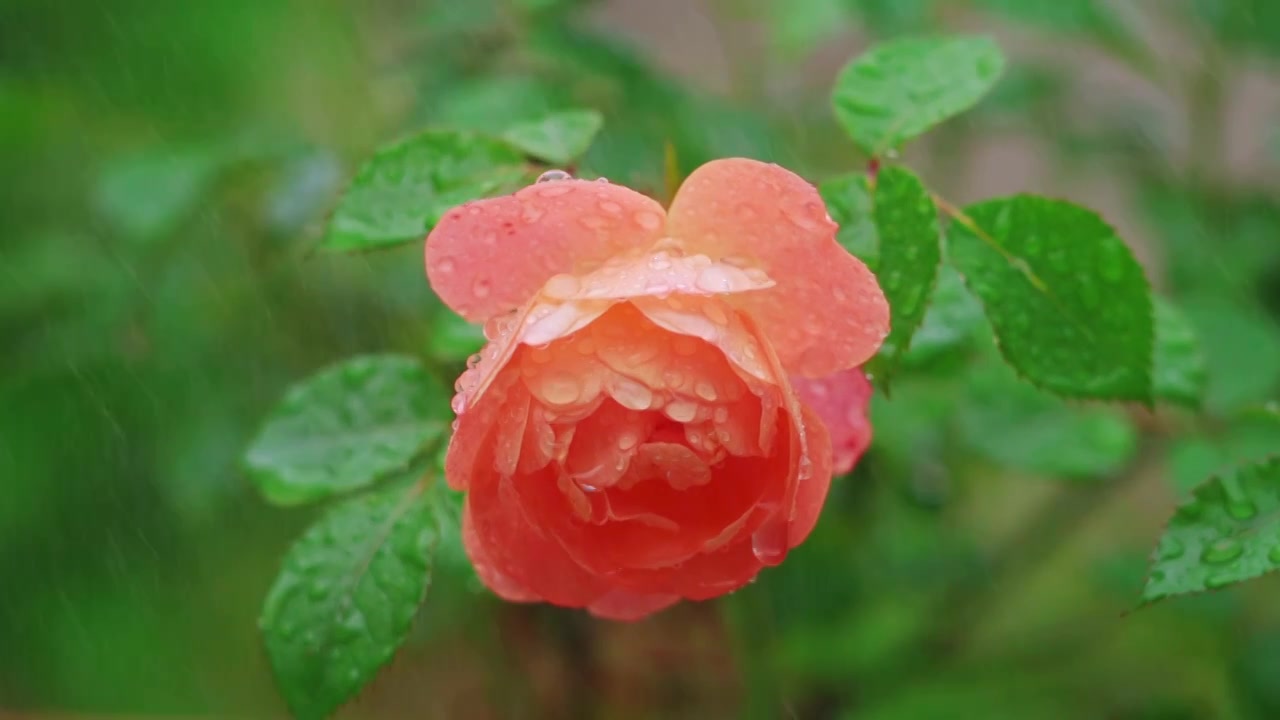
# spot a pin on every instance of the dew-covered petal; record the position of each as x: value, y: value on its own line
x: 842, y: 401
x: 519, y: 550
x: 489, y: 256
x: 701, y: 577
x: 811, y: 490
x: 627, y: 606
x: 826, y: 312
x: 501, y: 584
x: 474, y: 437
x: 659, y: 271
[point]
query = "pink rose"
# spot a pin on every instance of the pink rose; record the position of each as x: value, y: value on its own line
x: 653, y: 417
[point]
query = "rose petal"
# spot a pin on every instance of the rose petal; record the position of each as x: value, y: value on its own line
x: 490, y: 256
x: 627, y: 606
x: 841, y: 400
x: 827, y: 312
x: 507, y: 542
x: 811, y: 491
x: 502, y: 585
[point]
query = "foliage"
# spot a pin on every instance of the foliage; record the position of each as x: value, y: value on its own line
x: 1057, y: 379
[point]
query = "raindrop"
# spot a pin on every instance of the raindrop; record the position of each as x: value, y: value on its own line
x: 489, y: 238
x: 562, y: 287
x: 660, y: 261
x: 611, y: 207
x: 716, y: 314
x: 602, y: 179
x: 1171, y: 549
x: 531, y: 213
x: 553, y: 176
x: 627, y: 440
x: 592, y: 222
x: 1218, y: 580
x: 721, y: 415
x: 769, y: 543
x: 1223, y: 550
x: 681, y: 410
x: 445, y: 266
x: 560, y: 389
x: 473, y: 361
x: 458, y: 404
x: 481, y: 288
x: 632, y: 395
x: 648, y: 220
x: 705, y: 390
x: 714, y: 279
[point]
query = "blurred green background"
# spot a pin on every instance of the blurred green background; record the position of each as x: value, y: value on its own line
x: 165, y: 168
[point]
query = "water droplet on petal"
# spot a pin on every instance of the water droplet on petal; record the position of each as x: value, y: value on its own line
x: 705, y: 390
x: 611, y: 207
x: 714, y: 279
x: 446, y: 266
x: 769, y: 543
x: 553, y: 175
x: 1223, y: 550
x: 481, y: 288
x: 721, y: 415
x: 562, y: 287
x: 681, y: 410
x: 648, y: 220
x: 531, y: 213
x: 602, y: 179
x: 627, y: 440
x: 631, y: 394
x: 560, y: 389
x: 592, y: 222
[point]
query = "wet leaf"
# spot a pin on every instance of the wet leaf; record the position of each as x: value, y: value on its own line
x: 1069, y: 304
x: 1228, y: 532
x: 559, y: 138
x: 910, y: 251
x: 346, y: 597
x: 345, y: 427
x: 405, y: 188
x: 900, y: 89
x: 848, y: 200
x: 1180, y: 373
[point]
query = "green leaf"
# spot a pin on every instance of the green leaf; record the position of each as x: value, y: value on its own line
x: 345, y: 427
x: 1069, y: 304
x: 902, y: 88
x: 406, y: 187
x: 1015, y: 425
x: 953, y: 319
x: 910, y: 252
x: 1180, y: 373
x: 848, y: 200
x: 560, y: 137
x: 346, y: 596
x: 1228, y: 532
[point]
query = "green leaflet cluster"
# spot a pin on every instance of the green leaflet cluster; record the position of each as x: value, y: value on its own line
x: 1051, y: 283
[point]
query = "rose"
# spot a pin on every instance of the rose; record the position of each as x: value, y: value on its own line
x: 652, y: 418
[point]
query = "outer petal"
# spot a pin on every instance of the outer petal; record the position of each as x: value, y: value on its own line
x: 827, y: 312
x: 490, y: 256
x: 502, y: 585
x: 841, y: 400
x: 519, y: 551
x: 619, y: 604
x: 812, y: 493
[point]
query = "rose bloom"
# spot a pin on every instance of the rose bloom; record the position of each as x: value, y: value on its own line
x: 665, y: 395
